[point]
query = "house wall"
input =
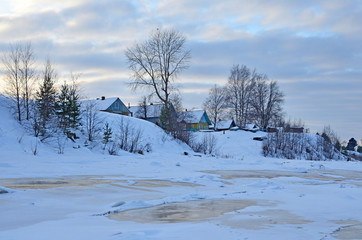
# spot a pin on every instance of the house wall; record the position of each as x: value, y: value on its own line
x: 197, y: 126
x: 118, y: 107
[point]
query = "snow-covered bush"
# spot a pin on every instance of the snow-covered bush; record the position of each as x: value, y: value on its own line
x: 299, y: 146
x: 206, y: 146
x: 129, y: 138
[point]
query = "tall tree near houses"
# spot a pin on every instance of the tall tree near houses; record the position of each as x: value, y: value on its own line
x: 240, y: 88
x: 156, y: 63
x: 266, y: 101
x: 46, y: 97
x: 215, y: 103
x: 12, y: 63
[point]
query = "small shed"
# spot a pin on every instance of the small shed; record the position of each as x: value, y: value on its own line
x: 251, y: 127
x: 224, y: 125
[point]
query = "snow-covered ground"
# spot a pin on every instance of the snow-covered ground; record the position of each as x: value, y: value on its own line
x: 165, y: 194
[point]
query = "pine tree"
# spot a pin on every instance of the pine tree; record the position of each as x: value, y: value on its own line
x: 338, y: 145
x: 63, y: 107
x: 69, y: 106
x: 74, y: 105
x: 107, y: 135
x: 46, y: 97
x: 352, y: 143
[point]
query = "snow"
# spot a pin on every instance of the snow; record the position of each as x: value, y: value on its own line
x: 223, y: 124
x: 101, y: 105
x: 76, y: 194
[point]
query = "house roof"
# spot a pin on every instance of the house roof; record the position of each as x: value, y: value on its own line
x: 193, y: 116
x: 251, y: 126
x: 224, y: 124
x: 153, y: 110
x: 101, y: 105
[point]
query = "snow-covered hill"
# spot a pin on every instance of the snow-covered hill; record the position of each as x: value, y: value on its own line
x: 86, y: 193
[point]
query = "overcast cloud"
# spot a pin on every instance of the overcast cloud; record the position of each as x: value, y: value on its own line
x: 312, y: 48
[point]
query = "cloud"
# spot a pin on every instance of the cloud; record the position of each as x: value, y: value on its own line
x: 312, y: 48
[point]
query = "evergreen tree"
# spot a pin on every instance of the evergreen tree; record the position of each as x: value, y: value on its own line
x: 63, y: 107
x: 326, y: 137
x: 338, y: 145
x: 68, y: 105
x: 165, y: 118
x: 107, y: 134
x: 74, y: 105
x: 46, y: 97
x: 352, y: 143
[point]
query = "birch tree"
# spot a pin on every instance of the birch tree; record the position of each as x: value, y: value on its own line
x: 13, y: 88
x: 156, y: 63
x: 215, y: 102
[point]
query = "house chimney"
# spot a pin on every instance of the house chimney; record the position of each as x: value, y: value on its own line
x: 103, y: 97
x: 151, y: 103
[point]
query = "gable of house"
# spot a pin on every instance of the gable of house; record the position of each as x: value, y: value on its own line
x: 224, y: 125
x: 117, y: 107
x: 196, y: 120
x: 112, y: 105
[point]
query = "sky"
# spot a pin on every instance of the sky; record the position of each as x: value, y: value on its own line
x: 311, y: 48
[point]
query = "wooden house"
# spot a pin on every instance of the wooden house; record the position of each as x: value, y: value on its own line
x: 112, y: 105
x: 195, y: 120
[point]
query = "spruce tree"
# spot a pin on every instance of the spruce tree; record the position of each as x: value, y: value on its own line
x: 69, y: 106
x: 352, y: 143
x: 107, y: 135
x: 46, y: 97
x: 63, y: 107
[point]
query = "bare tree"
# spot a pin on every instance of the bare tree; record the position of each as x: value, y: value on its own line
x: 20, y: 75
x: 156, y: 62
x: 11, y: 61
x: 27, y: 75
x: 92, y: 120
x: 240, y: 87
x: 143, y: 109
x: 215, y: 103
x: 267, y: 101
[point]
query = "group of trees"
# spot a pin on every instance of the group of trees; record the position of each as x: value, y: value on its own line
x: 34, y: 95
x: 248, y: 96
x: 18, y: 65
